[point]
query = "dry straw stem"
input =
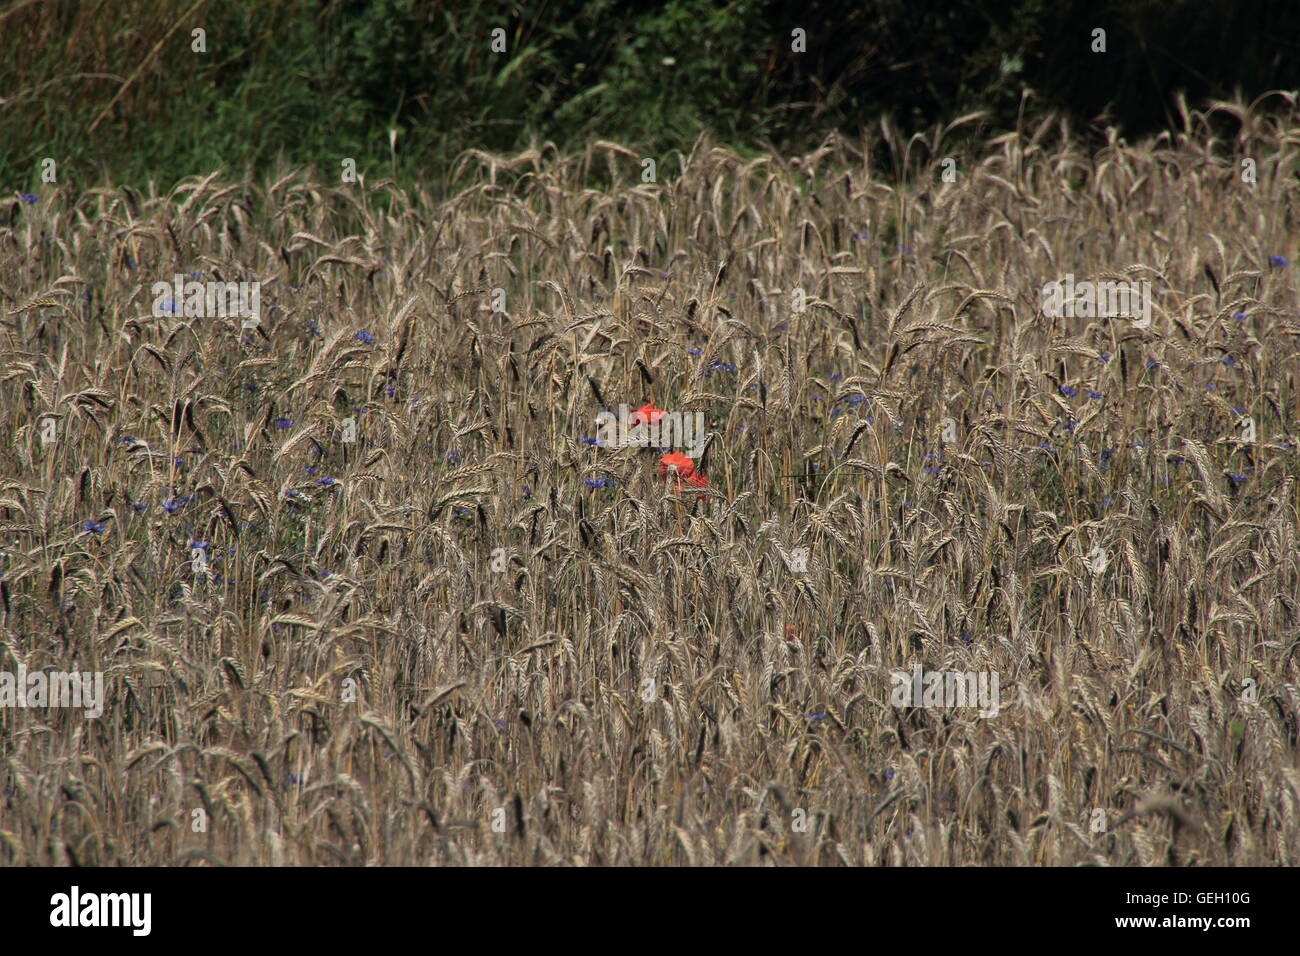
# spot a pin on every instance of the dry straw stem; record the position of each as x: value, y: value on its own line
x: 185, y: 19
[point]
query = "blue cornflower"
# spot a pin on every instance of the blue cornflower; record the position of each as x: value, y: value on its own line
x: 1209, y: 386
x: 176, y: 503
x: 860, y: 236
x: 588, y: 441
x: 365, y: 337
x: 1279, y: 262
x: 1107, y: 502
x: 1105, y: 356
x: 1239, y: 316
x: 1236, y: 477
x: 816, y: 715
x: 694, y: 351
x: 1229, y: 360
x: 94, y: 527
x: 311, y: 469
x: 327, y: 482
x: 283, y: 423
x: 1152, y: 363
x: 889, y: 774
x: 139, y: 507
x: 836, y: 376
x: 1094, y: 395
x: 1069, y: 392
x: 199, y: 545
x: 1238, y: 410
x: 194, y: 275
x: 27, y: 197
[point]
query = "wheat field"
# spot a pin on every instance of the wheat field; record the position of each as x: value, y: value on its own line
x: 471, y: 637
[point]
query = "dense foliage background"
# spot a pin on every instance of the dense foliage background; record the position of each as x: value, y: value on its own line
x: 114, y: 85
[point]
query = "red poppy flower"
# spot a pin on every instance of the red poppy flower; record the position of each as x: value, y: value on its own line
x: 697, y: 480
x: 676, y: 465
x: 647, y: 414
